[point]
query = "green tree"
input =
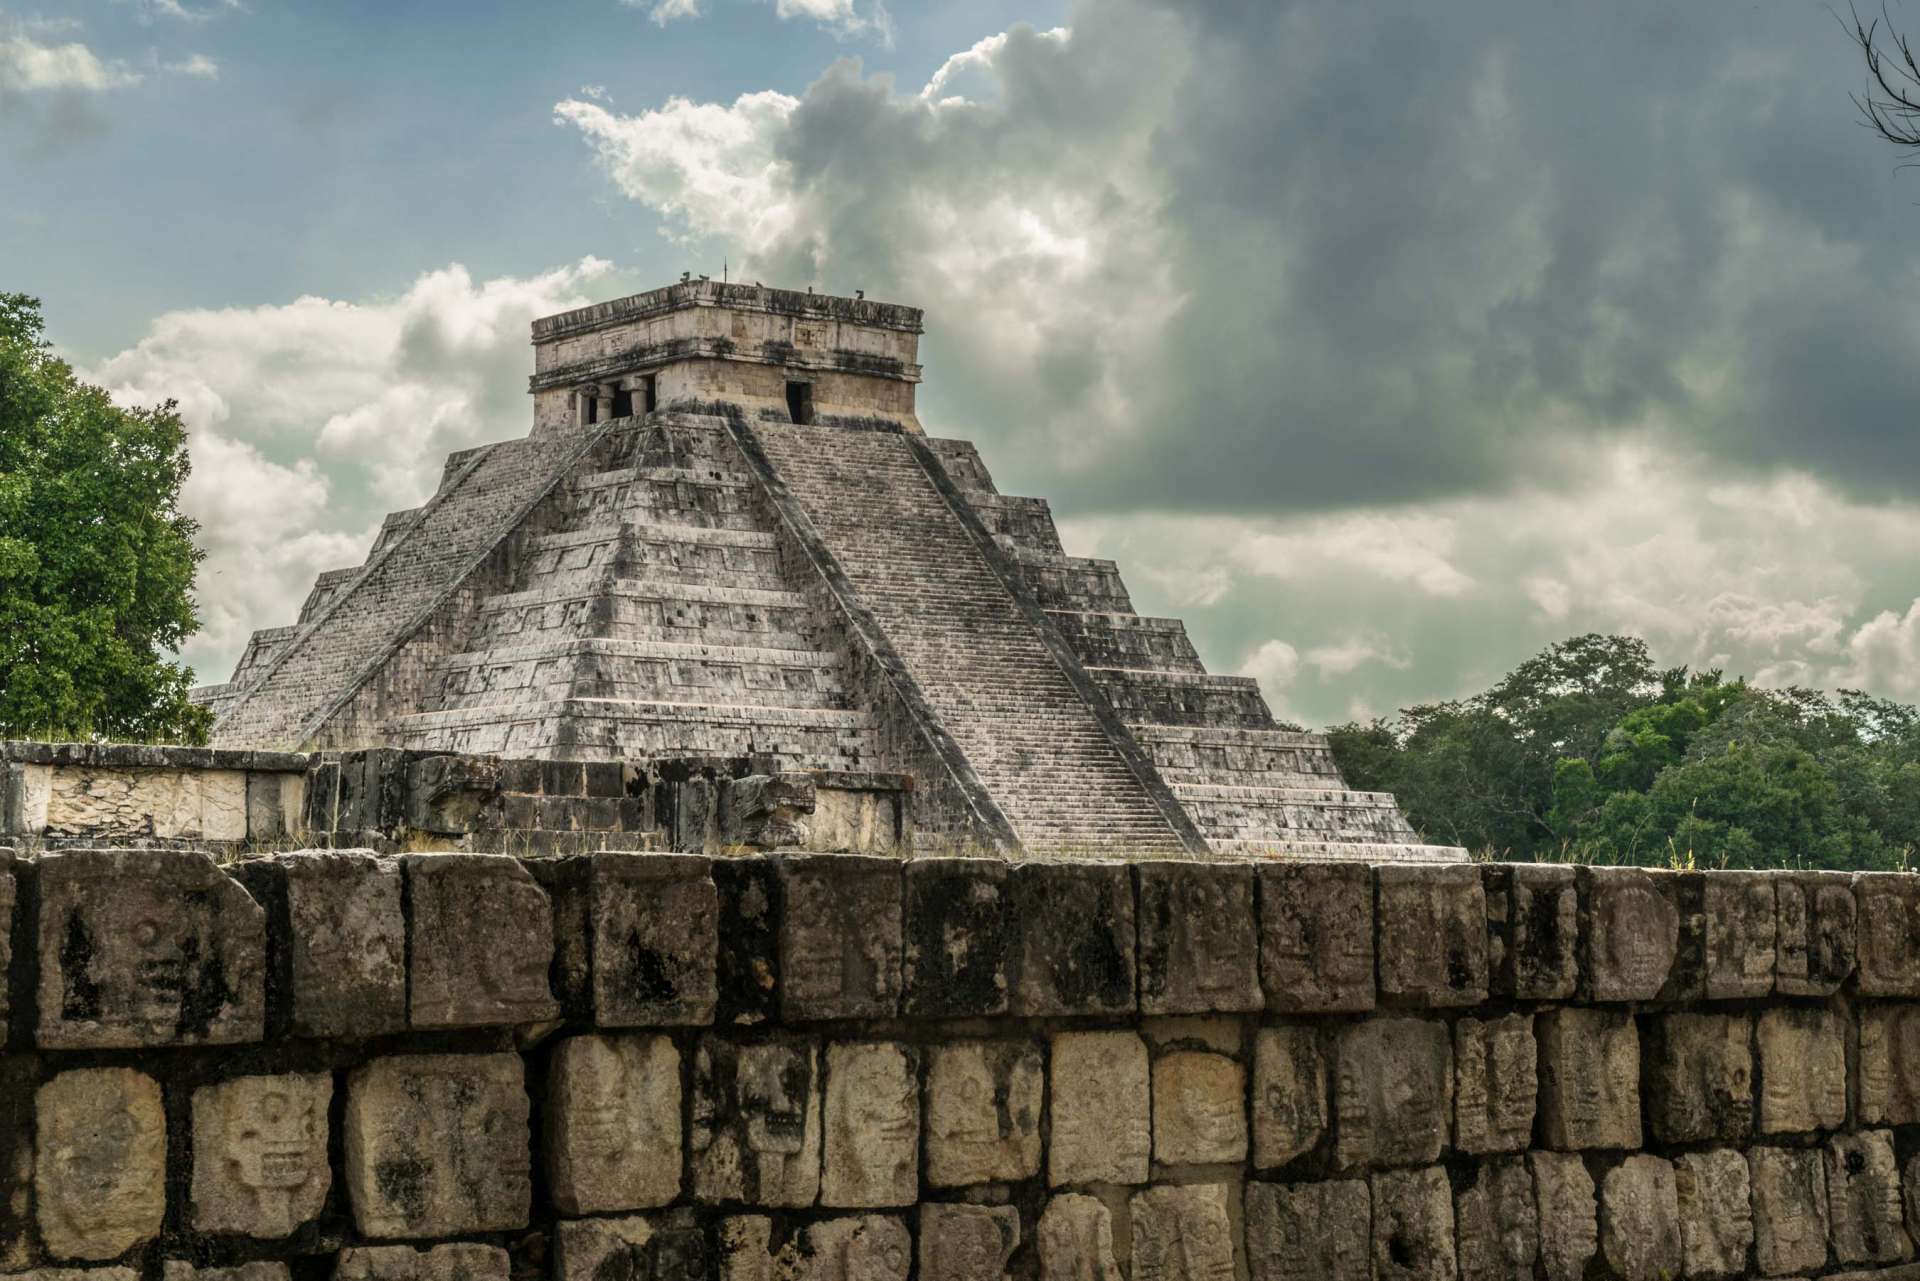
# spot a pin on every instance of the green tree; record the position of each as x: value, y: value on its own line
x: 96, y: 559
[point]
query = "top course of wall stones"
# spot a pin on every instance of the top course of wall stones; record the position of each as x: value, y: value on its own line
x: 737, y: 297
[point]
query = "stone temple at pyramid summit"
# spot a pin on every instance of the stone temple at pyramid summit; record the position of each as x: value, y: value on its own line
x: 728, y: 536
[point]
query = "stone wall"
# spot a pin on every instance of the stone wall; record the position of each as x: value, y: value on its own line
x: 620, y: 1067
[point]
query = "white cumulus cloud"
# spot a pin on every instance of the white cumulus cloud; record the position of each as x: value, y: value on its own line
x: 27, y: 66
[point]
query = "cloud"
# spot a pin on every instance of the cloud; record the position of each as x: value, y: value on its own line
x: 845, y: 19
x: 309, y: 419
x: 665, y: 11
x: 174, y: 10
x: 28, y: 66
x: 197, y: 66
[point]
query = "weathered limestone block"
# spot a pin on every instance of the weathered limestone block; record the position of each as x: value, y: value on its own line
x: 260, y: 1153
x: 1199, y: 948
x: 1789, y: 1210
x: 872, y: 1125
x: 768, y: 811
x: 756, y: 1122
x: 1700, y: 1077
x: 1496, y: 1223
x: 656, y: 938
x: 869, y: 1247
x: 983, y: 1112
x: 7, y: 898
x: 346, y: 940
x: 1432, y: 936
x: 1075, y: 1240
x: 1640, y: 1220
x: 178, y: 1270
x: 1393, y: 1092
x: 1716, y: 1212
x: 639, y: 1247
x: 460, y: 1262
x: 1533, y: 923
x: 99, y: 1175
x: 1633, y: 933
x: 1803, y: 1070
x: 1742, y: 935
x: 1589, y: 1079
x: 1077, y: 939
x: 1290, y: 1106
x: 1889, y: 1092
x: 1413, y: 1226
x: 749, y: 962
x: 966, y: 1242
x: 1182, y: 1232
x: 1818, y: 932
x: 1569, y: 1218
x: 190, y: 804
x: 437, y: 1144
x: 840, y: 937
x: 959, y: 938
x: 1316, y: 937
x: 74, y: 1274
x: 613, y: 1123
x: 1495, y: 1082
x: 1888, y: 959
x: 1102, y: 1129
x: 147, y: 947
x: 1310, y: 1231
x: 1199, y: 1108
x: 481, y: 944
x: 1863, y: 1199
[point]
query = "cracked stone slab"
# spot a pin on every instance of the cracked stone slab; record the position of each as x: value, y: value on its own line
x: 1495, y: 1083
x: 481, y: 942
x: 1393, y: 1092
x: 1742, y: 935
x: 1077, y: 939
x: 1633, y: 933
x: 1291, y: 1111
x: 1888, y: 956
x: 1818, y: 932
x: 1199, y: 950
x: 346, y: 944
x: 1316, y: 937
x: 1569, y: 1214
x: 1432, y: 934
x: 656, y: 932
x: 1699, y: 1085
x: 1863, y: 1199
x: 840, y: 937
x: 1533, y: 924
x: 960, y: 934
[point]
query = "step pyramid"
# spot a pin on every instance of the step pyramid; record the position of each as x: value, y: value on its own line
x: 728, y: 536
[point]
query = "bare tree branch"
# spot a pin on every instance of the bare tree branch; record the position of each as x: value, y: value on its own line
x: 1891, y: 105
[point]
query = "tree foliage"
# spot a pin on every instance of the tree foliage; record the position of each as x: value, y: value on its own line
x: 96, y: 559
x: 1589, y: 752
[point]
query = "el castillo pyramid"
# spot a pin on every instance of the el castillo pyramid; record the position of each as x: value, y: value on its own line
x: 728, y: 536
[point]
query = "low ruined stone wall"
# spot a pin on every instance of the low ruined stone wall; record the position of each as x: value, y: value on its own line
x: 617, y: 1067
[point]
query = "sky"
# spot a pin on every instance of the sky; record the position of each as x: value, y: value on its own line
x: 1383, y: 343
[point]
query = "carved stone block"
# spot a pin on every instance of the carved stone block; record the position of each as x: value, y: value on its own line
x: 99, y: 1173
x: 481, y: 942
x: 756, y: 1122
x: 1789, y: 1210
x: 147, y: 947
x: 656, y: 940
x: 1290, y: 1104
x: 638, y: 1248
x: 1393, y: 1092
x: 75, y: 1274
x: 959, y: 938
x: 1863, y: 1199
x: 179, y: 1270
x: 1413, y: 1226
x: 1888, y: 938
x: 1075, y: 1240
x: 1495, y: 1082
x: 1700, y: 1078
x: 1432, y: 934
x: 1589, y: 1079
x: 460, y: 1262
x: 1310, y: 1231
x: 346, y: 940
x: 1741, y: 935
x: 872, y: 1125
x: 437, y: 1144
x: 1818, y: 932
x: 983, y: 1112
x: 1199, y: 948
x: 1533, y: 923
x: 1077, y: 939
x: 1316, y: 937
x: 749, y: 963
x: 1496, y: 1222
x: 1716, y: 1212
x: 840, y: 937
x: 1569, y: 1218
x: 1182, y: 1232
x: 1199, y: 1108
x: 260, y: 1153
x: 613, y: 1123
x: 1633, y: 933
x: 869, y: 1247
x: 1803, y: 1070
x: 1102, y: 1130
x: 1640, y: 1220
x: 1889, y: 1077
x: 966, y: 1242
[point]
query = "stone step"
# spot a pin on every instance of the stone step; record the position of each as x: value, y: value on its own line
x: 1073, y: 582
x: 1340, y: 851
x: 1184, y: 698
x: 1109, y: 639
x: 654, y: 608
x: 639, y: 670
x: 721, y: 557
x: 1022, y: 524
